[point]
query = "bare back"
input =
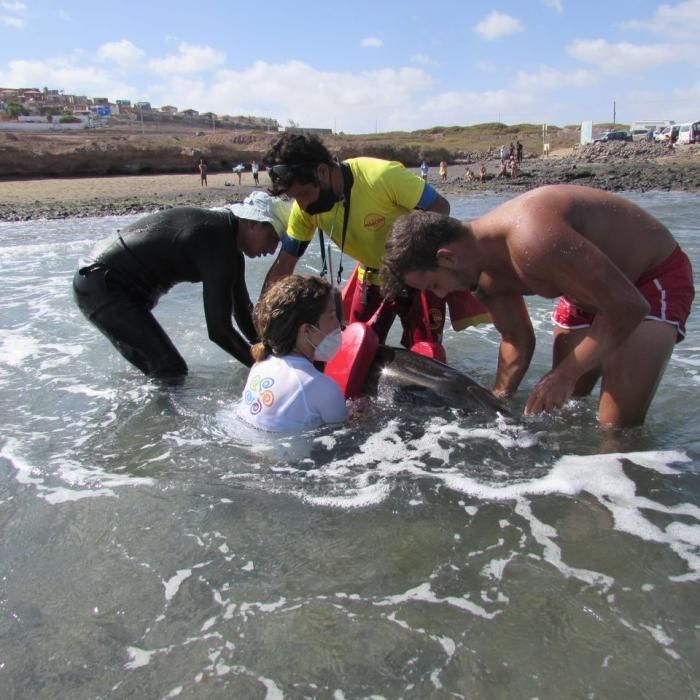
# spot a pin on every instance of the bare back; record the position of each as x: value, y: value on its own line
x: 533, y: 243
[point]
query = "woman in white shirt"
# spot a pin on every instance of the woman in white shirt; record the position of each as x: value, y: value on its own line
x: 297, y: 323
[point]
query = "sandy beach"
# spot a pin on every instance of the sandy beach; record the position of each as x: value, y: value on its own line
x: 616, y: 169
x: 100, y: 196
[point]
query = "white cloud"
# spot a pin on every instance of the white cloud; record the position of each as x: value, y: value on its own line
x: 183, y: 93
x: 353, y: 102
x: 190, y: 59
x: 73, y: 74
x: 555, y: 5
x: 15, y: 14
x: 686, y: 103
x: 15, y: 22
x: 678, y: 104
x: 456, y: 107
x: 517, y: 102
x: 624, y: 58
x: 124, y: 53
x: 423, y: 60
x: 553, y: 79
x: 681, y: 21
x: 486, y: 66
x: 496, y: 24
x: 372, y: 42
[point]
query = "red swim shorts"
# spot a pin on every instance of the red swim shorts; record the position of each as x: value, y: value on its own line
x: 668, y: 288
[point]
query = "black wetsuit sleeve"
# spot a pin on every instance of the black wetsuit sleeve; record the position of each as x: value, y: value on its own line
x: 243, y: 307
x: 218, y: 288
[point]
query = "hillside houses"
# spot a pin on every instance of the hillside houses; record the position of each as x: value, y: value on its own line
x: 35, y: 102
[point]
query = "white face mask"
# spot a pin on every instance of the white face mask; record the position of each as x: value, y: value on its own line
x: 328, y: 346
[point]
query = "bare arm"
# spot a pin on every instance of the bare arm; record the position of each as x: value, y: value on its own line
x: 284, y: 265
x: 511, y: 318
x: 218, y: 305
x: 583, y: 273
x: 609, y: 329
x: 242, y: 306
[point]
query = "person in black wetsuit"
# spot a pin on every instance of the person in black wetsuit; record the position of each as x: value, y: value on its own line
x: 122, y: 279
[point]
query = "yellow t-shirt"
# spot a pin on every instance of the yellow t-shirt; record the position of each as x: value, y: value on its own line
x: 382, y: 191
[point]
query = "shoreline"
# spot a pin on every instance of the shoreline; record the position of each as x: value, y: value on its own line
x: 109, y: 195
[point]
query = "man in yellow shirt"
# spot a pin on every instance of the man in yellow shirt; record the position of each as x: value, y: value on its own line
x: 354, y: 202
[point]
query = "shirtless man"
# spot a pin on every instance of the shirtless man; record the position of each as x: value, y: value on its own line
x: 122, y: 279
x: 626, y: 290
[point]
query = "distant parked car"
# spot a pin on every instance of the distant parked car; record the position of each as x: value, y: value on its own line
x: 613, y: 136
x: 670, y: 133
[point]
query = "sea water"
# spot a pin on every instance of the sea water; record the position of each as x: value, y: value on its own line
x: 154, y: 547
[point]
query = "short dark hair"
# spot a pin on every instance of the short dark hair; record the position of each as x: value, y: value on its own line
x: 294, y: 157
x: 283, y: 308
x: 413, y: 244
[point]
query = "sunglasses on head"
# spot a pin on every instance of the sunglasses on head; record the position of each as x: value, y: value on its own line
x: 282, y: 171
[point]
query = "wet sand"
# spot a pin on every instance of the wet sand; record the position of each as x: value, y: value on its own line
x: 100, y: 196
x: 56, y: 198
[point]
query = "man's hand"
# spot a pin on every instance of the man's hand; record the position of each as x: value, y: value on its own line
x: 550, y: 393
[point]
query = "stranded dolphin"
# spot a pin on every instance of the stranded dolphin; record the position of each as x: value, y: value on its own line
x: 429, y: 381
x: 364, y: 366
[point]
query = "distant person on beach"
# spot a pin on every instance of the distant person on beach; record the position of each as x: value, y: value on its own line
x: 255, y: 169
x: 468, y: 174
x: 297, y: 323
x: 424, y: 170
x: 511, y: 150
x: 354, y: 202
x: 519, y: 151
x: 482, y: 172
x: 503, y: 170
x: 626, y: 290
x: 202, y: 173
x: 503, y: 153
x: 513, y: 167
x: 121, y: 280
x: 238, y: 170
x: 443, y: 171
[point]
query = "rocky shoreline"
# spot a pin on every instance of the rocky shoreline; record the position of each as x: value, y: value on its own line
x: 635, y: 167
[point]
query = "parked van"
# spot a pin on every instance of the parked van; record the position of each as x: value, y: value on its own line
x: 640, y: 129
x: 688, y: 132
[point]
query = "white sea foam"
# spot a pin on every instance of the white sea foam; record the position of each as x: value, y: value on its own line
x: 17, y: 347
x: 138, y: 657
x: 75, y: 481
x: 423, y: 593
x: 172, y: 585
x: 368, y: 476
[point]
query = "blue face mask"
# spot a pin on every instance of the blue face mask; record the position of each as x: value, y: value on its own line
x: 328, y: 346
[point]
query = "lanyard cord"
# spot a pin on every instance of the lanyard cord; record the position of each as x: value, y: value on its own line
x: 347, y: 188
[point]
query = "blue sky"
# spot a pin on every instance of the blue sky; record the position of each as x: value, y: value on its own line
x: 363, y: 66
